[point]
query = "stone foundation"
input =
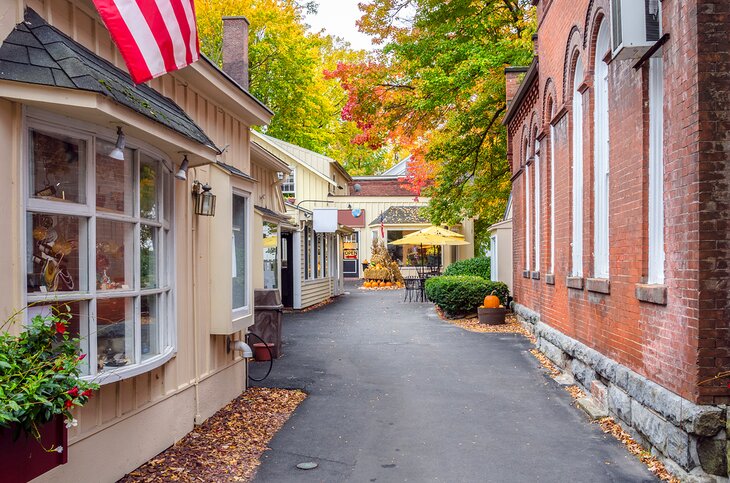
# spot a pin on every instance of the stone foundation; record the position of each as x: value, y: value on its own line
x: 690, y: 439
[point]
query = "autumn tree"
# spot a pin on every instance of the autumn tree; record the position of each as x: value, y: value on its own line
x: 287, y: 73
x: 438, y: 88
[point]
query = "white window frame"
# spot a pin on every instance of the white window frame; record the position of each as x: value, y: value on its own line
x: 656, y: 251
x: 528, y: 253
x: 167, y: 317
x: 293, y: 191
x: 494, y: 267
x: 601, y: 157
x: 536, y: 198
x: 552, y: 191
x: 245, y: 311
x: 577, y: 212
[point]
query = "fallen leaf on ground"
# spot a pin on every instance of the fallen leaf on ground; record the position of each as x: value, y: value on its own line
x: 545, y: 362
x: 227, y: 446
x: 608, y: 425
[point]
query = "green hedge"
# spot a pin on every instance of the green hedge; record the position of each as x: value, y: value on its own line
x: 462, y: 294
x: 479, y: 266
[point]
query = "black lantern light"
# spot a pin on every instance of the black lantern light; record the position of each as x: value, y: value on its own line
x: 203, y: 199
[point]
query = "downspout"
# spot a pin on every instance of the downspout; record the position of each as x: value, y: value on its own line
x: 193, y: 220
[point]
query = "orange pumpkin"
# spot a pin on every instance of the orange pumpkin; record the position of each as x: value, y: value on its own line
x: 388, y: 284
x: 382, y: 284
x: 491, y: 301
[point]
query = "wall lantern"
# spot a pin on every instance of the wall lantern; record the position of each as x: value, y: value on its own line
x: 203, y: 199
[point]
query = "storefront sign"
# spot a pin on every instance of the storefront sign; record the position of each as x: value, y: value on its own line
x: 325, y: 220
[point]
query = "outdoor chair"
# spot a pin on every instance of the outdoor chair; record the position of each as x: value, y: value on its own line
x: 413, y: 286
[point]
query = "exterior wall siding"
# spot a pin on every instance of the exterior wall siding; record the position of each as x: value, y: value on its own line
x: 681, y: 341
x: 134, y: 409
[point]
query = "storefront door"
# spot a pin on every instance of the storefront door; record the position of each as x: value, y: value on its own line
x: 351, y: 255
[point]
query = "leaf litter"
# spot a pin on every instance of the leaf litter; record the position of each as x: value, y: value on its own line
x: 226, y: 447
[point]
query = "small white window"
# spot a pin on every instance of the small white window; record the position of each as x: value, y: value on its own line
x: 537, y: 205
x: 601, y: 157
x: 577, y: 232
x: 239, y: 268
x: 656, y: 170
x: 288, y: 187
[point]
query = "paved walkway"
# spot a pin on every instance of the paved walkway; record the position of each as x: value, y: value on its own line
x: 395, y: 394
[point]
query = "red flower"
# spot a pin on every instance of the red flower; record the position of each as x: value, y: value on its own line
x: 73, y: 392
x: 68, y: 403
x: 82, y: 357
x: 60, y: 327
x: 86, y: 393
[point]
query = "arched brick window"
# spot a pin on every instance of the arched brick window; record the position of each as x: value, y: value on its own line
x: 601, y: 155
x: 577, y: 212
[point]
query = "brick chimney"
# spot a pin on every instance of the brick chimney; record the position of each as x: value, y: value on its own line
x: 513, y: 78
x: 235, y: 49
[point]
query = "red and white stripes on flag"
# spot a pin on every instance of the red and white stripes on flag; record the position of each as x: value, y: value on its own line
x: 153, y: 36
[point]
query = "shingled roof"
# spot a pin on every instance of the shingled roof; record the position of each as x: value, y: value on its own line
x: 400, y: 215
x: 38, y: 53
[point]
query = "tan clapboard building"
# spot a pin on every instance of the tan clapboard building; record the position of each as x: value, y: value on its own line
x: 156, y: 289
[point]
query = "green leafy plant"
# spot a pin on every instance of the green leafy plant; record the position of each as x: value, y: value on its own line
x: 40, y: 373
x: 462, y: 294
x: 478, y: 266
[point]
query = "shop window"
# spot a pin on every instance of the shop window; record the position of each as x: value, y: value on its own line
x: 412, y: 255
x: 271, y: 255
x: 103, y: 257
x: 307, y: 253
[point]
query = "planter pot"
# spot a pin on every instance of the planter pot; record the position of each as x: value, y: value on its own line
x: 261, y: 353
x: 491, y: 316
x: 23, y: 459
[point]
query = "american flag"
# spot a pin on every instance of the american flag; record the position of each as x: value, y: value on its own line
x: 153, y: 36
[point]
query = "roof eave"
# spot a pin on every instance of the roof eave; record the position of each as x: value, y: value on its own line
x: 524, y: 88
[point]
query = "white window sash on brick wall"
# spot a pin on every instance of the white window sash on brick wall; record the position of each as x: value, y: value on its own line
x: 656, y: 171
x: 552, y: 194
x: 601, y: 159
x: 577, y: 233
x: 537, y: 206
x: 527, y: 217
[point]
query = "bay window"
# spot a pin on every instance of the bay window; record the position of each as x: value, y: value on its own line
x: 98, y: 245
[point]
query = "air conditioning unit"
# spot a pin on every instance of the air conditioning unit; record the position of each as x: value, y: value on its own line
x: 635, y: 27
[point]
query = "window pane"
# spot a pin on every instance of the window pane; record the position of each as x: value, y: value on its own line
x: 149, y: 185
x: 56, y: 253
x: 114, y: 332
x: 150, y: 326
x: 113, y: 180
x: 78, y: 325
x: 239, y: 252
x: 148, y: 256
x: 57, y: 167
x: 271, y: 248
x: 113, y: 255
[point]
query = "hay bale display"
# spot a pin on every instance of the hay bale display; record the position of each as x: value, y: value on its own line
x: 382, y: 272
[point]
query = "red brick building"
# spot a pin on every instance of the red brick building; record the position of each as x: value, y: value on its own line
x: 619, y: 140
